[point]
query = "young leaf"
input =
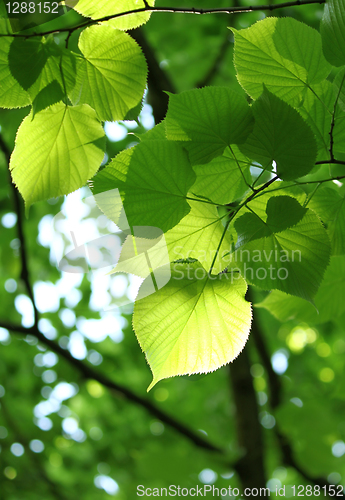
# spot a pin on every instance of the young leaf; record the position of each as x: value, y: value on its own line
x: 195, y: 324
x: 333, y: 32
x: 103, y: 8
x: 154, y: 178
x: 207, y: 120
x: 329, y: 300
x: 289, y: 251
x: 222, y: 180
x: 283, y: 54
x: 280, y: 134
x: 112, y: 75
x: 12, y: 93
x: 56, y: 152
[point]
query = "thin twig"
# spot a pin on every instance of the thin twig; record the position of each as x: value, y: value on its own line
x: 331, y: 161
x: 90, y: 373
x: 331, y: 143
x: 24, y: 275
x: 176, y: 10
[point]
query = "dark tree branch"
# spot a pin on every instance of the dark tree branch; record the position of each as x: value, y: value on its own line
x: 158, y: 80
x: 176, y: 10
x: 225, y: 45
x: 332, y: 162
x: 90, y: 373
x: 275, y: 390
x: 37, y: 464
x: 17, y: 201
x: 250, y: 467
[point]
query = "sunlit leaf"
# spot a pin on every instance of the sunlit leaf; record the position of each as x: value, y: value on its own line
x: 284, y: 54
x: 112, y: 75
x: 280, y: 134
x: 56, y: 152
x: 154, y: 178
x: 289, y: 251
x: 207, y: 120
x: 195, y: 324
x: 104, y: 8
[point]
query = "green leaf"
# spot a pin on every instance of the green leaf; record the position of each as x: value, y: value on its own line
x: 283, y: 54
x: 56, y: 152
x: 333, y: 32
x: 329, y: 300
x: 112, y: 75
x: 196, y: 236
x: 330, y: 207
x: 195, y: 324
x: 316, y: 110
x: 280, y: 134
x: 207, y: 120
x: 143, y: 255
x: 104, y: 8
x: 27, y: 59
x: 51, y: 94
x: 43, y: 69
x: 156, y: 133
x: 12, y: 93
x: 289, y: 251
x: 222, y: 180
x: 154, y: 178
x: 5, y: 24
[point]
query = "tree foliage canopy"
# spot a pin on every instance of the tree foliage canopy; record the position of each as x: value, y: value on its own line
x: 230, y: 213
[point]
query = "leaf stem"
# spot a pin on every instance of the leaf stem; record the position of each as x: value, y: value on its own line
x: 235, y: 211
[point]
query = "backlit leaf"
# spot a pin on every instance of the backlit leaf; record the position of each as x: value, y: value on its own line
x: 195, y: 324
x: 56, y: 152
x: 284, y: 54
x: 225, y: 178
x: 289, y: 251
x: 207, y: 120
x: 329, y: 300
x: 153, y: 178
x: 280, y: 134
x: 112, y: 75
x: 333, y: 32
x: 104, y: 8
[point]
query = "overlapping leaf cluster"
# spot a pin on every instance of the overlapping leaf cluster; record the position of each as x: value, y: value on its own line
x: 236, y: 182
x: 60, y: 144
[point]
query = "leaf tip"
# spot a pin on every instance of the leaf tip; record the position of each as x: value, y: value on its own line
x: 153, y: 383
